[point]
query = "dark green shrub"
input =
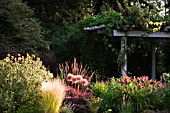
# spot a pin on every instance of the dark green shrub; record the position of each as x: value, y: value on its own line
x: 157, y: 99
x: 126, y: 108
x: 20, y: 82
x: 29, y: 108
x: 161, y: 96
x: 94, y: 104
x: 167, y: 100
x: 19, y: 29
x: 160, y: 99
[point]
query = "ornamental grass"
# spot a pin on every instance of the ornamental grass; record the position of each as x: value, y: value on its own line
x: 53, y: 93
x: 75, y: 72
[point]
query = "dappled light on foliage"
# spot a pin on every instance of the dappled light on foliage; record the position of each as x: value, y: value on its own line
x: 56, y: 32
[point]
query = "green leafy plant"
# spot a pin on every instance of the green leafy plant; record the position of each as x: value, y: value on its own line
x: 66, y: 109
x: 161, y: 96
x: 100, y: 89
x: 112, y: 100
x: 53, y: 93
x: 127, y: 18
x: 94, y: 104
x: 29, y: 108
x: 20, y: 82
x: 157, y: 99
x: 127, y: 107
x: 167, y: 99
x: 135, y: 92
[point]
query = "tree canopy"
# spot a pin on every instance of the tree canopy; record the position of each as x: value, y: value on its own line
x: 19, y: 30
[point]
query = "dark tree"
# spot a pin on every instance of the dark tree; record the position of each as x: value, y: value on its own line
x: 19, y: 30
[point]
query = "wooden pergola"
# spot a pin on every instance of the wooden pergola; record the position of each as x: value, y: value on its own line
x: 160, y: 35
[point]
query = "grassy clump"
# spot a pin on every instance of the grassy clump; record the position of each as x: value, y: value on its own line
x: 53, y: 93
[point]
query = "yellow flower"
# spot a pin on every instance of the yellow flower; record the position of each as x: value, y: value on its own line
x: 150, y: 22
x: 155, y: 29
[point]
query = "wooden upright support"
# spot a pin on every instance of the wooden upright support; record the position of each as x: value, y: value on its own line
x: 123, y: 50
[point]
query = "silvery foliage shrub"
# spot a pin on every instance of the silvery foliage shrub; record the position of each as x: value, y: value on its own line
x: 20, y: 82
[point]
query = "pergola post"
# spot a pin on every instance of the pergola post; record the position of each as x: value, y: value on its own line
x: 123, y: 50
x: 153, y: 72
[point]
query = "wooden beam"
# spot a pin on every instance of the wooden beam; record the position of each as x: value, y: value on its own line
x: 136, y: 33
x: 95, y: 27
x: 167, y: 28
x: 159, y: 35
x: 129, y: 33
x: 123, y: 50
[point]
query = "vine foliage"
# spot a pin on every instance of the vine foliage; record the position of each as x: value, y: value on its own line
x: 130, y: 17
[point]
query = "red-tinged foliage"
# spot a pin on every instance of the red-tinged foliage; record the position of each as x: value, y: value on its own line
x: 77, y: 100
x: 75, y: 93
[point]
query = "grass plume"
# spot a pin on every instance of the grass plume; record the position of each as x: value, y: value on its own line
x: 53, y: 93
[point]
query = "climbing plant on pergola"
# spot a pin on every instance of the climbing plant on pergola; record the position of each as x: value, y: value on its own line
x: 131, y: 21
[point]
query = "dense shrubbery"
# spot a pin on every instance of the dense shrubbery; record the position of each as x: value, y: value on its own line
x: 100, y: 89
x: 21, y: 79
x: 126, y: 94
x: 20, y: 82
